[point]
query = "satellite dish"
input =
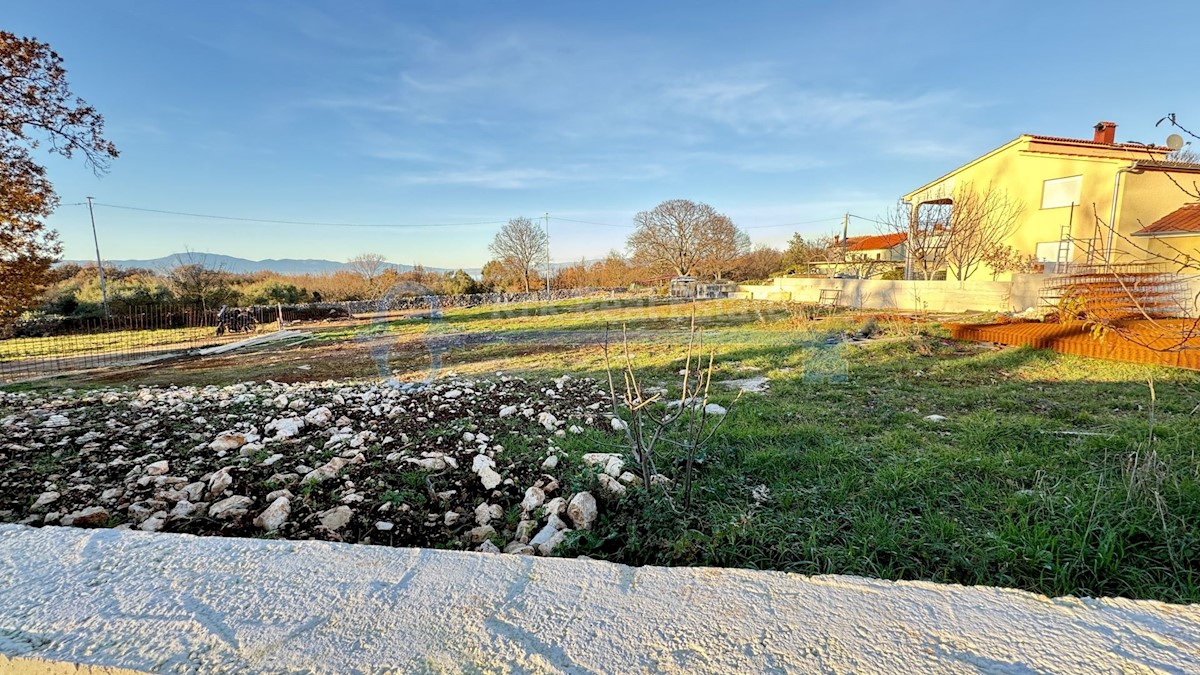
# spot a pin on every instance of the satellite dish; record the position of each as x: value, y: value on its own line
x: 1174, y: 141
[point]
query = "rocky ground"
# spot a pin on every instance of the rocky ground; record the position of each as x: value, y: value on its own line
x: 471, y: 464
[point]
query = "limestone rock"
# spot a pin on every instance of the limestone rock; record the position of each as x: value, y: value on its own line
x: 45, y: 499
x: 219, y: 482
x: 275, y: 515
x: 318, y: 416
x: 227, y: 440
x: 555, y: 506
x: 517, y: 548
x: 230, y: 507
x: 276, y: 494
x: 611, y: 486
x: 582, y: 510
x: 154, y: 523
x: 477, y: 535
x: 335, y: 518
x: 326, y: 471
x: 158, y: 468
x: 545, y: 541
x: 286, y: 427
x: 486, y: 513
x: 534, y: 497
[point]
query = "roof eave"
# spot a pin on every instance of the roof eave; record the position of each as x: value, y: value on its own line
x: 1161, y: 234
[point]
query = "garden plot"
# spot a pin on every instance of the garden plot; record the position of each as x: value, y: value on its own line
x: 457, y: 464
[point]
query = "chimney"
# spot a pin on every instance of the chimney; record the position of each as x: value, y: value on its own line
x: 1106, y: 133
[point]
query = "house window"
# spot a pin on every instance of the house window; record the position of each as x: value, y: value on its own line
x: 1047, y: 251
x: 1060, y: 192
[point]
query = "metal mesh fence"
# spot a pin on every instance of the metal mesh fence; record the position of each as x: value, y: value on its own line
x: 139, y: 334
x: 129, y: 336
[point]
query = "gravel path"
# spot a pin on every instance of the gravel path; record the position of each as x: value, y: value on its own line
x: 178, y: 603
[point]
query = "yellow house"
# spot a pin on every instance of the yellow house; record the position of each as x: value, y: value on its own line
x: 1074, y: 193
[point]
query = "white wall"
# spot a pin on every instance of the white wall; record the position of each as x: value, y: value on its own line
x: 937, y: 296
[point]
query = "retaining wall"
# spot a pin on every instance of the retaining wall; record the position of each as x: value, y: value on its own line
x: 936, y: 296
x: 115, y: 601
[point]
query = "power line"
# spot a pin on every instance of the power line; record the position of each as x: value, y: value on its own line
x: 273, y: 221
x: 588, y: 222
x: 803, y: 222
x: 752, y: 227
x: 296, y: 222
x: 870, y: 220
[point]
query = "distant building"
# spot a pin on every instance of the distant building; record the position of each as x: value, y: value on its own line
x: 865, y: 257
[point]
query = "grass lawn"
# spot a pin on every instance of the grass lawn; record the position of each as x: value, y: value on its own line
x: 1050, y: 473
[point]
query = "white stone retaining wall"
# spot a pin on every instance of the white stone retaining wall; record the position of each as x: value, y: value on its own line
x: 935, y: 296
x: 114, y: 601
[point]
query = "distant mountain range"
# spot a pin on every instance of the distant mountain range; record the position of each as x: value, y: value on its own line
x: 236, y: 265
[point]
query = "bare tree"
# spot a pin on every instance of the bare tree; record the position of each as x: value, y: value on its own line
x: 518, y: 245
x: 722, y: 243
x: 760, y: 263
x: 686, y: 237
x: 369, y: 266
x: 860, y: 266
x: 1184, y: 155
x: 926, y: 227
x: 1003, y: 258
x: 955, y: 231
x: 980, y: 220
x: 195, y: 282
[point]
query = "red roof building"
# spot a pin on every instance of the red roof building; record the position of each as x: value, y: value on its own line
x: 1182, y: 221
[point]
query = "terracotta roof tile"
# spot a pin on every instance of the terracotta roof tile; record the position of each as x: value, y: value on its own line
x: 1085, y: 141
x: 1182, y: 220
x: 875, y: 242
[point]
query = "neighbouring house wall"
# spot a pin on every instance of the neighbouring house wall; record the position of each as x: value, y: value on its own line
x: 937, y: 296
x: 1145, y: 198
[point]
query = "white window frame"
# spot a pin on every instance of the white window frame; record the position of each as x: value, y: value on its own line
x: 1062, y: 192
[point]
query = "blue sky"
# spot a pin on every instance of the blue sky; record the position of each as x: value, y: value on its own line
x: 476, y: 112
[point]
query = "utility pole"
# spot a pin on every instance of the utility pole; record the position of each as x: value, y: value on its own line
x: 546, y: 222
x: 99, y: 262
x: 845, y: 234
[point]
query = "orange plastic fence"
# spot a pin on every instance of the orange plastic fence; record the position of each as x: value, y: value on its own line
x: 1161, y: 343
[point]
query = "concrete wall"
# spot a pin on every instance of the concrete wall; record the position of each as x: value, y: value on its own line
x: 1015, y: 295
x: 111, y: 601
x: 936, y: 296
